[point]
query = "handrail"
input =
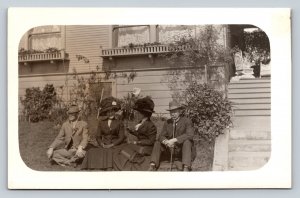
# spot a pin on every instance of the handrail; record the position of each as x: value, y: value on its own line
x: 140, y: 50
x: 59, y: 55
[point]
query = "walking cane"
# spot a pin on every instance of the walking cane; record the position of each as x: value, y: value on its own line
x: 172, y: 149
x: 99, y: 109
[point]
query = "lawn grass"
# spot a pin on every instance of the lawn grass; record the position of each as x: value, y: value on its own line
x: 34, y: 139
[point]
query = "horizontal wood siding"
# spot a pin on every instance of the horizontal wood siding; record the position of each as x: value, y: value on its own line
x: 86, y: 41
x: 152, y: 83
x: 62, y: 83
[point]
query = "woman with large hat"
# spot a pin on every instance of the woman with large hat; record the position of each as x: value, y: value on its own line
x: 133, y: 155
x: 110, y: 135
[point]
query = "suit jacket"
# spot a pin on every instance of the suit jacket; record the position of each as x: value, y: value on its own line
x: 78, y: 136
x: 110, y: 135
x: 146, y: 133
x: 183, y: 131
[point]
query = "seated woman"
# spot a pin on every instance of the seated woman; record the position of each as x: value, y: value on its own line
x: 131, y: 157
x: 110, y: 134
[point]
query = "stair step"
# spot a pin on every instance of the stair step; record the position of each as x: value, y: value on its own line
x: 251, y: 106
x: 242, y: 160
x: 250, y: 100
x: 241, y: 81
x: 248, y: 85
x: 249, y: 145
x: 250, y: 90
x: 257, y: 123
x: 249, y: 95
x: 248, y: 134
x: 252, y: 112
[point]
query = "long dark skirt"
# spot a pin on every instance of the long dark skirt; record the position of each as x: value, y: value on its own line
x: 132, y: 158
x: 99, y: 159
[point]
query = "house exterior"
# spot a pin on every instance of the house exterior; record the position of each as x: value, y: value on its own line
x: 103, y: 46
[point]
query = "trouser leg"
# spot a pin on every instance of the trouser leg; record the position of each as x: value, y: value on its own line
x: 187, y: 153
x: 63, y: 156
x: 155, y: 156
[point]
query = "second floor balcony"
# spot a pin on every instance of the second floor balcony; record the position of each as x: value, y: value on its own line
x: 142, y: 50
x: 28, y: 57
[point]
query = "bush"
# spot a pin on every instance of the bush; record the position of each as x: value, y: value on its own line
x: 208, y: 109
x: 38, y: 103
x: 127, y: 103
x: 58, y: 115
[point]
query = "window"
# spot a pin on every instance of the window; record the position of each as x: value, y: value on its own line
x: 44, y: 37
x: 171, y: 33
x: 125, y: 35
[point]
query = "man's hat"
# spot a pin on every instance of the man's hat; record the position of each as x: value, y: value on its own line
x: 109, y: 104
x: 73, y: 109
x: 145, y: 104
x: 173, y: 105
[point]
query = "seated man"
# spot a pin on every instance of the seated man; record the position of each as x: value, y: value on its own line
x: 68, y: 146
x: 176, y: 139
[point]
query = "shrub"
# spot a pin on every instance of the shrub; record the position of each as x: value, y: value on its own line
x: 58, y: 115
x: 38, y: 103
x: 208, y: 109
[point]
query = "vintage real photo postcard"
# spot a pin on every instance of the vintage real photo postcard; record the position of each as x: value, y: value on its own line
x: 149, y: 98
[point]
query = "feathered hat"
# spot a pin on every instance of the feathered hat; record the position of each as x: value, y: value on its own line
x: 145, y: 104
x: 108, y: 104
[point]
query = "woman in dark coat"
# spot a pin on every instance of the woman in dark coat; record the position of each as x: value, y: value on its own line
x: 134, y: 156
x: 110, y: 135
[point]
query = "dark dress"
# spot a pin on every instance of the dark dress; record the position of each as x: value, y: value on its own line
x: 102, y: 158
x: 136, y: 157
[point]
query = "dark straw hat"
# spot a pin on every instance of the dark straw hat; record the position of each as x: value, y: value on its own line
x: 73, y: 109
x: 109, y: 104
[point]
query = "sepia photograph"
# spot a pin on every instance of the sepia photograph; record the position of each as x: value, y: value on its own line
x: 120, y: 97
x: 145, y: 98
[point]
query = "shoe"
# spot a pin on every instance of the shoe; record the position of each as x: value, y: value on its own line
x: 186, y: 168
x: 152, y: 167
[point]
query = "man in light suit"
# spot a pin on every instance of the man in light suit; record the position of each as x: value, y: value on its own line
x: 176, y: 138
x: 68, y: 147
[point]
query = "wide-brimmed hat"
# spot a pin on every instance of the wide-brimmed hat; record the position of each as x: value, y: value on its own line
x: 109, y: 104
x: 73, y: 109
x: 145, y: 104
x: 173, y: 105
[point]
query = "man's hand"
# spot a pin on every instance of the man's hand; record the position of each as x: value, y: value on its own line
x: 49, y: 153
x: 80, y: 152
x: 170, y: 143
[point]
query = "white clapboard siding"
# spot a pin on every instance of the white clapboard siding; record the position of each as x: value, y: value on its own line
x: 29, y: 82
x: 86, y: 41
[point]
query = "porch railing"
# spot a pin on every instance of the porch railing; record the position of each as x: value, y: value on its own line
x: 60, y: 55
x: 141, y: 50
